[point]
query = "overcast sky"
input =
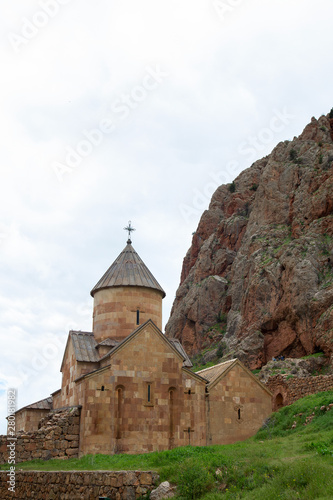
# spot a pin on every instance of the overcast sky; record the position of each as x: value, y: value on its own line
x: 131, y: 110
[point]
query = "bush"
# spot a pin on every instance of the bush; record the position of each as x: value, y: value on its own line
x: 221, y: 349
x: 254, y: 187
x: 293, y: 155
x: 222, y: 317
x: 331, y: 113
x: 232, y: 187
x: 193, y: 479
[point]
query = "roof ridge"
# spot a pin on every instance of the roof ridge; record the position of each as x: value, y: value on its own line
x: 79, y: 332
x: 48, y: 399
x: 218, y: 364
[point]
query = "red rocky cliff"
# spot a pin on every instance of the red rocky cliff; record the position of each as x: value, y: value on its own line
x: 259, y: 274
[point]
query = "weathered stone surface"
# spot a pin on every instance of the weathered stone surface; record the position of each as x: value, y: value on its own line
x: 271, y: 242
x: 129, y: 493
x: 130, y: 478
x: 292, y: 367
x: 146, y: 479
x: 164, y: 490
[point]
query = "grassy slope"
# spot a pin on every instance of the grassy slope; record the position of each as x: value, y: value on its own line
x: 278, y: 463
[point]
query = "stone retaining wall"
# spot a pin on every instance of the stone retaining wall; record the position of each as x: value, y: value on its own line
x: 297, y: 387
x: 58, y: 437
x: 78, y: 485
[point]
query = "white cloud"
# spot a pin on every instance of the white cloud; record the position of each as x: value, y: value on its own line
x: 225, y: 79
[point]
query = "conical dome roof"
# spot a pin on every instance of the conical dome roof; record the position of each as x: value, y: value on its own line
x: 128, y: 270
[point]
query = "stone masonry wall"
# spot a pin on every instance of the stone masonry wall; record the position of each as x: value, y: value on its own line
x: 28, y: 419
x: 58, y: 437
x: 121, y: 419
x: 115, y: 310
x: 296, y: 388
x: 79, y: 485
x: 237, y: 407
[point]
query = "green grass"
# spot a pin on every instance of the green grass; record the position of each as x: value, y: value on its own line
x: 278, y: 463
x: 316, y: 355
x: 280, y: 423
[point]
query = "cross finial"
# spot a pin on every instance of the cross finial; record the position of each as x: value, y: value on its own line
x: 129, y: 228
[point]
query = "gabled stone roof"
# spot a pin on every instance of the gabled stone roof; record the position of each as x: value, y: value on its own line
x: 84, y: 345
x: 109, y: 342
x: 128, y: 270
x: 43, y: 404
x: 213, y: 372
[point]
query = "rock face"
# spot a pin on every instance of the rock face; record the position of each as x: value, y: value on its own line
x: 292, y: 368
x: 262, y: 257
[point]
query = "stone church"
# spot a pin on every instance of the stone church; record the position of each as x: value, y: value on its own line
x: 134, y: 386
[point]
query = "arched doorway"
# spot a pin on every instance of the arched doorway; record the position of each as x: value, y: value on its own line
x: 278, y: 401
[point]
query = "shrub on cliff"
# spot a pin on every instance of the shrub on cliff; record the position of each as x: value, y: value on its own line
x: 232, y: 187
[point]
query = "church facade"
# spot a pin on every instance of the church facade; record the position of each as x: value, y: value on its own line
x: 135, y: 387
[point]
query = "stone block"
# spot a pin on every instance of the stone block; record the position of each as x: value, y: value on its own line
x: 164, y: 490
x: 130, y: 478
x: 117, y: 481
x: 72, y: 451
x: 145, y: 478
x: 30, y: 446
x: 73, y: 444
x: 129, y: 493
x: 49, y: 445
x: 71, y: 437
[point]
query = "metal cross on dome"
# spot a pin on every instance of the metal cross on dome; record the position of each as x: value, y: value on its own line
x: 129, y: 228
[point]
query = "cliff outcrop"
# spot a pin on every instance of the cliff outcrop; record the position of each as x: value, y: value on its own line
x: 258, y: 278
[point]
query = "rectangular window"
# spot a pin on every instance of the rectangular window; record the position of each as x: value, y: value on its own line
x: 138, y: 317
x: 149, y: 394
